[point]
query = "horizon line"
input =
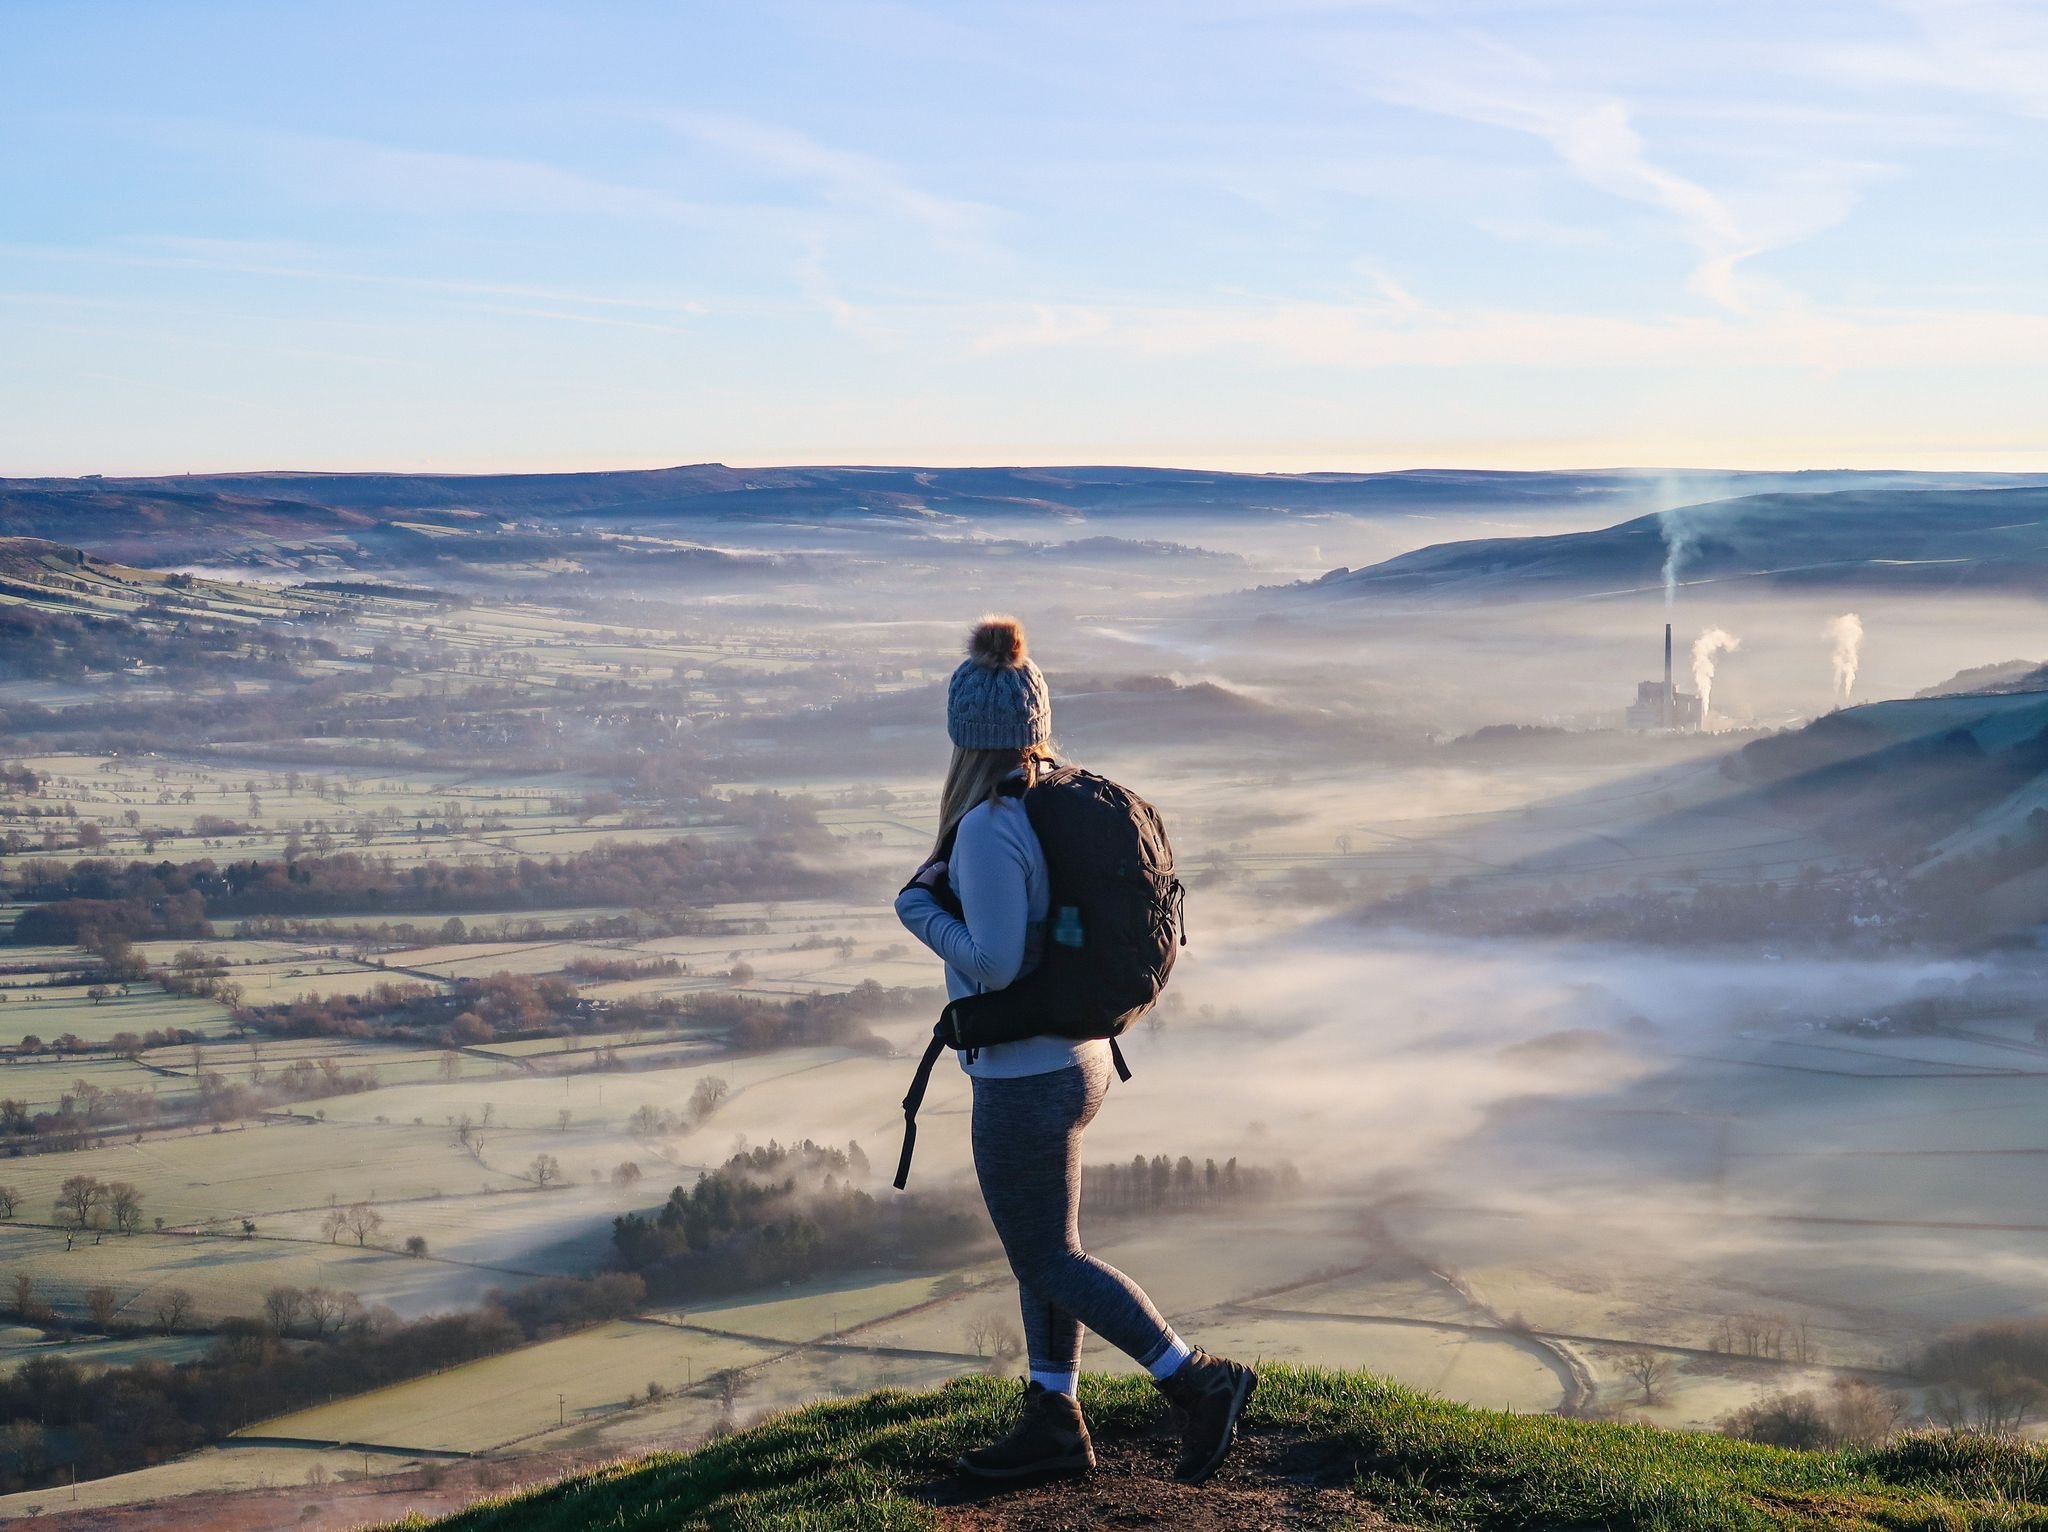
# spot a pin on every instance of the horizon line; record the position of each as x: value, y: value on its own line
x: 1069, y: 465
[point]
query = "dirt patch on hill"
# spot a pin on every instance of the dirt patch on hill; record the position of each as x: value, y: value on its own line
x: 333, y: 1507
x: 1272, y: 1483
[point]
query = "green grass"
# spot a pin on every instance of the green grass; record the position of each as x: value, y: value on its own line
x: 854, y: 1466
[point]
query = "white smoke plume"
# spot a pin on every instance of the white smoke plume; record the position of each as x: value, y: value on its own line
x: 1846, y: 634
x: 1706, y: 649
x: 1678, y: 541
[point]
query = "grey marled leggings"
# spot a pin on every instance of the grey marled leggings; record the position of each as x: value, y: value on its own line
x: 1027, y: 1154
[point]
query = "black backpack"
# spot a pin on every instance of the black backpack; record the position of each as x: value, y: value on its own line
x: 1113, y: 927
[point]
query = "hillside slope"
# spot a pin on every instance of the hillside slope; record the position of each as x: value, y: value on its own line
x: 1319, y: 1449
x: 1907, y: 775
x: 190, y: 516
x: 1866, y: 538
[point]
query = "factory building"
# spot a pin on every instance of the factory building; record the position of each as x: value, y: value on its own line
x: 1660, y: 704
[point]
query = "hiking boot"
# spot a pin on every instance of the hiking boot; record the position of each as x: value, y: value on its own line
x: 1208, y: 1393
x: 1050, y: 1436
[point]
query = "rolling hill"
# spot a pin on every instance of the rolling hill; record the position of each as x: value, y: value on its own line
x: 189, y: 516
x: 1918, y: 780
x: 1864, y: 538
x: 1318, y: 1449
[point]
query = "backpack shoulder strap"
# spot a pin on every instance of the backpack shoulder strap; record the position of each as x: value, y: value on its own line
x: 912, y: 1102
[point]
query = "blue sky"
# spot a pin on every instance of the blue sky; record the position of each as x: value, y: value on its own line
x: 1312, y: 235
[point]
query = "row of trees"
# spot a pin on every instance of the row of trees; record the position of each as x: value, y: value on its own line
x: 167, y: 1309
x: 304, y: 1346
x: 670, y: 920
x: 1162, y: 1184
x: 87, y: 1111
x: 85, y: 1203
x: 1991, y: 1378
x: 1988, y: 1380
x: 591, y: 969
x: 165, y: 899
x: 72, y: 647
x: 504, y: 1005
x: 650, y: 1121
x: 1775, y: 1336
x: 780, y: 1214
x: 1850, y: 1412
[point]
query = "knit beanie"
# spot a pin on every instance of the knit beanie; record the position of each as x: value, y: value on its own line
x: 997, y: 699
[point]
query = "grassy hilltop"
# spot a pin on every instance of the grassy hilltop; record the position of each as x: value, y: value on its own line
x: 1319, y: 1449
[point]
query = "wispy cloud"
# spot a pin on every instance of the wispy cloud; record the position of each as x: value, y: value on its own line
x: 853, y: 199
x: 1397, y: 334
x: 846, y: 179
x: 1597, y: 140
x: 303, y: 262
x: 1988, y: 48
x: 1472, y: 76
x: 364, y: 172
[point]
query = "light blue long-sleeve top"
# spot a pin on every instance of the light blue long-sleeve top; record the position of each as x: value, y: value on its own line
x: 998, y: 871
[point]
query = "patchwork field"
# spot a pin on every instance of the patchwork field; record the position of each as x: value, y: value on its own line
x: 1522, y: 1161
x: 532, y: 1393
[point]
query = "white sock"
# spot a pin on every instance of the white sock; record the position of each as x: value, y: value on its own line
x: 1167, y: 1363
x: 1055, y: 1380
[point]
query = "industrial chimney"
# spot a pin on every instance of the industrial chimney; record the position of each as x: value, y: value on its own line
x: 1670, y: 697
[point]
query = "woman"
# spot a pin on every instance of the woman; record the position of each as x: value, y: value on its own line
x: 1033, y: 1097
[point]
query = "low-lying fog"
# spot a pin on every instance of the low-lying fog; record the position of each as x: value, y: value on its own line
x: 1581, y: 1037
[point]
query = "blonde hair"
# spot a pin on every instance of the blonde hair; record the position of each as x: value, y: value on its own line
x: 975, y: 776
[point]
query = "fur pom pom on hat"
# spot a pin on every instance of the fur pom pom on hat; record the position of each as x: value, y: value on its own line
x: 997, y: 699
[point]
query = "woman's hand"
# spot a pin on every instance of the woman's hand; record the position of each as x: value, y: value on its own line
x: 928, y: 875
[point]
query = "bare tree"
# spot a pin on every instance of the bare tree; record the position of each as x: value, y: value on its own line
x: 124, y: 1201
x: 545, y: 1168
x: 1781, y: 1420
x: 26, y: 1303
x: 1862, y: 1414
x: 979, y: 1333
x: 731, y: 1385
x: 334, y: 1225
x: 1648, y: 1371
x: 78, y: 1201
x: 710, y: 1093
x: 1987, y: 1379
x: 101, y: 1305
x: 1994, y: 1399
x: 326, y: 1309
x: 361, y: 1220
x: 172, y: 1308
x: 281, y: 1308
x: 993, y: 1336
x: 10, y: 1199
x: 88, y: 1098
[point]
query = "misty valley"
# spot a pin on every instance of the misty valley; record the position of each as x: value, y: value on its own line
x: 455, y: 1023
